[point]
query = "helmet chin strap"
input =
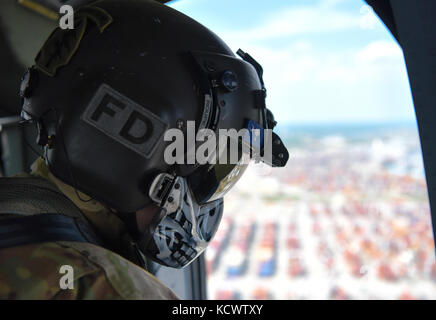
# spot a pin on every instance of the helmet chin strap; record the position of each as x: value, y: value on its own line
x: 141, y: 237
x: 146, y: 235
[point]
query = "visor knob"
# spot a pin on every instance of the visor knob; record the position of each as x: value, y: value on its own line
x: 229, y: 80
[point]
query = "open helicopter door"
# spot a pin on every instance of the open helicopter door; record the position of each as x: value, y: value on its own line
x: 412, y: 24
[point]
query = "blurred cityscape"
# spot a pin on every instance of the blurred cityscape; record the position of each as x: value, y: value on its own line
x: 348, y: 218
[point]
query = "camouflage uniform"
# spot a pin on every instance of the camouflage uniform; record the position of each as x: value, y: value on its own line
x: 32, y: 271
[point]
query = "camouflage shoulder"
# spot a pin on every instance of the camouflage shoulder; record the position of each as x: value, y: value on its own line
x: 128, y: 280
x: 32, y: 272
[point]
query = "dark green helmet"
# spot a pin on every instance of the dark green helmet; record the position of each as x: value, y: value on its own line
x: 104, y: 93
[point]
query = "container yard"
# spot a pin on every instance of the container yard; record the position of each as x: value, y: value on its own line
x: 348, y: 218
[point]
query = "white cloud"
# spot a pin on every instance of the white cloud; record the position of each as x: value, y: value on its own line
x: 323, y: 18
x: 332, y: 80
x: 379, y: 51
x: 306, y: 84
x: 368, y: 19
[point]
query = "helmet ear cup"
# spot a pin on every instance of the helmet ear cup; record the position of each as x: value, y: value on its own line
x: 29, y: 82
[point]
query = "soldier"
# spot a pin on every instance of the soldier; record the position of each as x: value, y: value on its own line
x: 102, y: 200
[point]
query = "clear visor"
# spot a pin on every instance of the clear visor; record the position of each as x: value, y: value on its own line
x: 211, y: 182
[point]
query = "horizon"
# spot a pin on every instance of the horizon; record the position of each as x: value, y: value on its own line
x: 343, y: 123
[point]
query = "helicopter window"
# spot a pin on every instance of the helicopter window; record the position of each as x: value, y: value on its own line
x: 349, y: 216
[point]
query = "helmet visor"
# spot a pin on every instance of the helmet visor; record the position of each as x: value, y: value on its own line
x: 211, y: 182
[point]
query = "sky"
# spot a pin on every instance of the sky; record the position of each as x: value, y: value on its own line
x: 324, y: 61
